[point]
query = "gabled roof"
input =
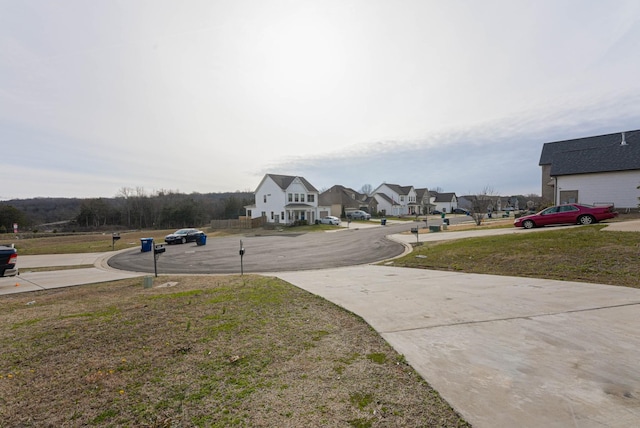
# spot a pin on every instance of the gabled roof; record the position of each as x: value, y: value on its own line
x: 400, y: 190
x: 421, y: 193
x: 602, y: 153
x: 284, y: 181
x: 341, y: 195
x: 444, y: 197
x: 386, y: 198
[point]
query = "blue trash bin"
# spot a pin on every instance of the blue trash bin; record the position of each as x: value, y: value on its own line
x: 383, y: 221
x: 201, y: 239
x: 146, y: 244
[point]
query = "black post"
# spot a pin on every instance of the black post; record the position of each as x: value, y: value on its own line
x: 241, y: 257
x: 155, y: 258
x: 114, y: 238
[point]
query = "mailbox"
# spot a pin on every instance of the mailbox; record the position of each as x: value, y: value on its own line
x: 414, y: 230
x: 159, y: 249
x: 114, y: 238
x: 242, y: 251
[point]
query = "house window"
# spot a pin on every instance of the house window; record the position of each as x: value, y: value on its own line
x: 282, y: 215
x: 401, y: 198
x: 264, y: 213
x: 302, y: 197
x: 311, y: 198
x: 290, y: 197
x: 297, y: 198
x: 265, y: 199
x: 271, y: 215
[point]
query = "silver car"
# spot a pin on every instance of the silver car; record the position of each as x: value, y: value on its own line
x: 359, y: 215
x: 330, y: 220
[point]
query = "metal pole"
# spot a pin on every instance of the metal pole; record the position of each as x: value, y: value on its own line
x: 155, y: 257
x: 241, y: 257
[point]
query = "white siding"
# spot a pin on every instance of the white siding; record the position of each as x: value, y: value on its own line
x: 276, y: 200
x: 271, y: 200
x: 618, y: 188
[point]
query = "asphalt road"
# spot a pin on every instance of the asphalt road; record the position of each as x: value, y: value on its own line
x: 274, y: 252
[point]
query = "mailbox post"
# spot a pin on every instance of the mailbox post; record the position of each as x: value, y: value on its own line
x: 415, y: 230
x: 241, y: 257
x: 157, y: 250
x: 114, y: 238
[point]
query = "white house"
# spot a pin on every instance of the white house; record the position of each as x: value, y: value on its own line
x: 285, y: 199
x: 604, y: 169
x: 400, y: 200
x: 444, y: 202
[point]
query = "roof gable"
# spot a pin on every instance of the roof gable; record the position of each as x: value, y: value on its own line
x: 603, y: 153
x: 284, y: 181
x: 400, y: 190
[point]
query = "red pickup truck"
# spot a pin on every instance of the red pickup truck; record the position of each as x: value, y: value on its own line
x: 8, y: 261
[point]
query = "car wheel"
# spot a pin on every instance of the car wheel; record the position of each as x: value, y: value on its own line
x: 183, y: 240
x: 528, y: 224
x: 586, y: 219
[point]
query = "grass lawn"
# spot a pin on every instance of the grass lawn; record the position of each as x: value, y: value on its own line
x: 584, y: 254
x: 209, y: 351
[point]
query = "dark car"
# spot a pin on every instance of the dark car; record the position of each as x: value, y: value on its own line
x: 8, y: 261
x: 567, y: 214
x: 182, y: 236
x: 461, y: 211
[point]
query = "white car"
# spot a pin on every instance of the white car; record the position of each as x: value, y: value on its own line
x: 330, y: 220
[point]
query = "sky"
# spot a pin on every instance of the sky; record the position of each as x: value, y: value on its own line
x: 208, y: 96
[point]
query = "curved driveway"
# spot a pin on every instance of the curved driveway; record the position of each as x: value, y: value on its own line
x: 278, y: 251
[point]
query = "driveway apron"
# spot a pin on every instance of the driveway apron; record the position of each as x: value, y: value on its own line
x: 503, y: 351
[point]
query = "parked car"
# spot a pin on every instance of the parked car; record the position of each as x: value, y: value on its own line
x: 436, y: 212
x: 182, y: 236
x: 567, y: 214
x: 8, y: 261
x: 461, y: 211
x: 358, y: 215
x: 330, y: 220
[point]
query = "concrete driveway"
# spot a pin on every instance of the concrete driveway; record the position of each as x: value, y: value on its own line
x: 503, y: 351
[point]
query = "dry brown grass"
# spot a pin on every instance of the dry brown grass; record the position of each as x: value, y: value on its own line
x: 209, y: 351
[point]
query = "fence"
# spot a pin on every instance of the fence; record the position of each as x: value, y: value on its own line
x: 239, y: 223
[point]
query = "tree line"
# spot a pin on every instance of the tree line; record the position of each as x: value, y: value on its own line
x: 130, y: 208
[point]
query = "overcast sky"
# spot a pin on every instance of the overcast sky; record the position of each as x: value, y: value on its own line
x: 208, y: 96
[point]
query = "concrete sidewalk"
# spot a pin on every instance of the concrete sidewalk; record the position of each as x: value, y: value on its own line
x: 503, y: 351
x: 34, y: 281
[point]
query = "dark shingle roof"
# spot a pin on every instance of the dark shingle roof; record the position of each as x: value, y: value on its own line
x: 284, y: 181
x: 603, y: 153
x: 400, y: 190
x: 444, y: 197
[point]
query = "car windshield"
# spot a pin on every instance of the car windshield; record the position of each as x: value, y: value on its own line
x: 182, y: 231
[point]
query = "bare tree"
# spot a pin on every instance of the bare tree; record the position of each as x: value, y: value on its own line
x: 483, y: 204
x: 366, y: 189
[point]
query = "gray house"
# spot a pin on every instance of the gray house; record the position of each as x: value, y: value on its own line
x: 598, y: 170
x: 342, y: 199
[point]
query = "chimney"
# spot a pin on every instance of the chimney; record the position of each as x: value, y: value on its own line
x: 624, y: 141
